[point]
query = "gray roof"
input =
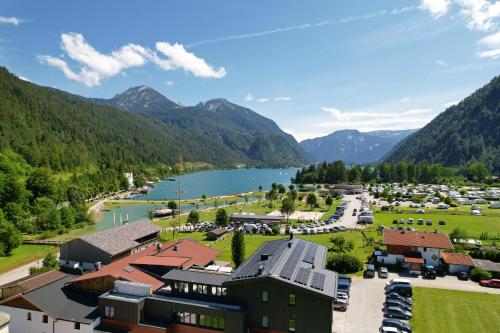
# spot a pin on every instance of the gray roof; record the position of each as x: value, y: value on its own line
x: 488, y: 265
x: 121, y: 238
x: 297, y: 262
x: 65, y: 303
x: 214, y: 279
x: 198, y: 303
x: 257, y: 217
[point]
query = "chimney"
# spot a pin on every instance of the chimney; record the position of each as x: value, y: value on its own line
x: 158, y: 247
x: 176, y: 247
x: 264, y: 257
x: 261, y: 268
x: 289, y: 244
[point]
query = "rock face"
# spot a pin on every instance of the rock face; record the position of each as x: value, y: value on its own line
x: 352, y: 146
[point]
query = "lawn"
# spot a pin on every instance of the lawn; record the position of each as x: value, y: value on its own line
x: 438, y: 310
x: 474, y: 225
x: 25, y: 254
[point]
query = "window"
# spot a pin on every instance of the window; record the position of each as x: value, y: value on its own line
x: 28, y: 316
x: 77, y: 326
x: 425, y: 249
x: 45, y: 319
x: 265, y: 321
x: 265, y: 296
x: 291, y: 299
x: 202, y: 320
x: 109, y: 312
x: 221, y: 322
x: 291, y: 325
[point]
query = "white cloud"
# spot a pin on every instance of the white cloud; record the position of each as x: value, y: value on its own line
x: 437, y: 8
x: 95, y: 66
x: 248, y: 97
x: 442, y: 63
x: 278, y: 99
x: 180, y: 58
x: 10, y: 20
x: 492, y: 44
x: 405, y: 99
x: 301, y: 136
x: 263, y: 100
x: 169, y: 83
x: 447, y: 105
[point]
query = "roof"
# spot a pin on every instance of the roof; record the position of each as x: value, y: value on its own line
x: 214, y: 279
x: 488, y: 265
x: 122, y: 238
x: 35, y: 281
x: 297, y: 262
x: 195, y: 302
x: 182, y: 253
x: 62, y: 302
x: 4, y: 319
x: 433, y: 240
x: 457, y: 259
x: 218, y: 231
x: 257, y: 217
x: 410, y: 260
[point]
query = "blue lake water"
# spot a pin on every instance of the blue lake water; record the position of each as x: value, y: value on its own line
x: 194, y: 185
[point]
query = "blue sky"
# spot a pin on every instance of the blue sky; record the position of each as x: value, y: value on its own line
x: 312, y: 67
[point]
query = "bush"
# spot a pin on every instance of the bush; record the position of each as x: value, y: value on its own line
x: 275, y: 229
x: 477, y: 274
x: 344, y: 263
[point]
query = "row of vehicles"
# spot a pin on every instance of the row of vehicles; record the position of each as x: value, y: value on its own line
x: 343, y: 293
x: 397, y: 307
x: 419, y: 221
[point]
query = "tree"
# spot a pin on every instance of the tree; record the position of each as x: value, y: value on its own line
x: 68, y: 217
x: 312, y: 200
x: 204, y: 196
x: 291, y: 187
x: 281, y: 189
x: 40, y: 183
x: 47, y: 215
x: 172, y: 205
x: 329, y: 201
x: 477, y: 274
x: 477, y: 172
x: 260, y: 188
x: 238, y: 248
x: 193, y: 217
x: 287, y: 207
x: 341, y: 245
x: 293, y: 194
x: 174, y: 224
x: 344, y: 263
x: 221, y: 218
x: 458, y: 233
x: 10, y: 237
x: 50, y: 261
x: 272, y: 195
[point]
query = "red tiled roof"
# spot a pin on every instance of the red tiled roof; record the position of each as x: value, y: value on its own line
x: 160, y: 261
x: 433, y: 240
x: 457, y: 259
x: 410, y: 260
x: 185, y: 253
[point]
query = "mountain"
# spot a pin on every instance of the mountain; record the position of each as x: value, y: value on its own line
x: 352, y: 146
x: 49, y: 127
x: 464, y: 133
x: 257, y: 139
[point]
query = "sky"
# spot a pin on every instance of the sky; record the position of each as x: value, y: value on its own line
x: 313, y: 67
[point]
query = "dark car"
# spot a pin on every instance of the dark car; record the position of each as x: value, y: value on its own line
x: 401, y: 325
x: 464, y: 276
x: 442, y: 222
x: 429, y: 272
x: 400, y: 298
x: 395, y: 312
x: 394, y: 303
x: 404, y: 291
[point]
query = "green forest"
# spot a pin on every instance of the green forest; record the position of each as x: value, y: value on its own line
x: 337, y: 172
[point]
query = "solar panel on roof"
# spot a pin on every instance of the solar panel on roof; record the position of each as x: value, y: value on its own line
x: 318, y: 281
x: 251, y: 267
x: 303, y: 276
x: 311, y: 253
x: 292, y: 261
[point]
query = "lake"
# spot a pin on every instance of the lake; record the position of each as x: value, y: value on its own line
x: 212, y: 183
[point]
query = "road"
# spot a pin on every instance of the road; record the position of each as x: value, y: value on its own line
x: 19, y: 272
x: 348, y: 220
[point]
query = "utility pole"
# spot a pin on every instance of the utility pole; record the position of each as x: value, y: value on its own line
x: 179, y: 192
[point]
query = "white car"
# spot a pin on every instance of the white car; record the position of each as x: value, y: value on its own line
x: 389, y: 330
x: 476, y: 212
x: 397, y: 281
x: 420, y: 211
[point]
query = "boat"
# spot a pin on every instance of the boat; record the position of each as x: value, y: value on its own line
x: 161, y: 212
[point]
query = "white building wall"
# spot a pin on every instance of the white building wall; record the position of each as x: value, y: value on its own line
x: 4, y: 329
x: 62, y: 326
x: 431, y: 256
x: 390, y: 259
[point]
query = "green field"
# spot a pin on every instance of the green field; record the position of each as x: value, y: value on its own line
x: 474, y: 225
x: 25, y: 254
x: 437, y: 310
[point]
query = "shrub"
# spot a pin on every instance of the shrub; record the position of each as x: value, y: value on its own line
x: 477, y: 274
x: 275, y: 229
x: 344, y: 263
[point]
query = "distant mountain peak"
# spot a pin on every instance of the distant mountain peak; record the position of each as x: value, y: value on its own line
x: 142, y: 98
x: 216, y: 103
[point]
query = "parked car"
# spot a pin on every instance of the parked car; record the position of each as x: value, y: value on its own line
x: 429, y: 272
x: 420, y: 221
x: 420, y: 211
x: 464, y: 276
x: 399, y: 324
x: 442, y: 222
x: 395, y: 312
x: 383, y: 273
x: 397, y: 282
x: 394, y: 303
x: 402, y: 290
x: 340, y: 305
x: 400, y: 298
x: 492, y: 283
x: 429, y: 222
x: 389, y: 330
x: 410, y: 220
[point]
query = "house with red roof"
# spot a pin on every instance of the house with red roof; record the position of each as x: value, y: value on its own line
x: 413, y: 249
x: 457, y: 262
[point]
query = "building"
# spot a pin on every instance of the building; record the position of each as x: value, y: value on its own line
x: 216, y: 233
x: 282, y: 287
x: 251, y: 218
x: 4, y: 322
x: 55, y: 307
x: 413, y: 249
x: 106, y: 246
x: 28, y: 283
x: 348, y: 189
x: 488, y: 265
x: 457, y: 262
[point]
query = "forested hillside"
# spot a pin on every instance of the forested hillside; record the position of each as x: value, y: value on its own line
x: 464, y: 133
x: 256, y: 139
